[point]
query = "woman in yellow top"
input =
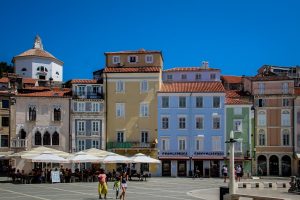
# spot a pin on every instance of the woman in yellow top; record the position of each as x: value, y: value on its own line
x: 102, y: 186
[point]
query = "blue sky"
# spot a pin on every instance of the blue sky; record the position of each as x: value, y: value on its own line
x: 236, y: 36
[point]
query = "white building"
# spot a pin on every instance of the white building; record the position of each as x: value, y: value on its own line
x: 38, y: 64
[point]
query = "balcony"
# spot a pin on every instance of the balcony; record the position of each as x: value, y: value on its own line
x: 18, y: 143
x: 128, y: 145
x: 89, y: 95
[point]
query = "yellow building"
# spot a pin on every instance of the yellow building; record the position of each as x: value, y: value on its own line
x: 131, y: 80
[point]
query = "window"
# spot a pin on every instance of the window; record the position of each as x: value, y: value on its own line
x: 5, y: 103
x: 32, y: 113
x: 285, y: 102
x: 261, y: 137
x: 81, y: 106
x: 57, y: 114
x: 213, y: 77
x: 216, y: 102
x: 238, y: 146
x: 182, y: 102
x: 95, y: 89
x: 261, y: 118
x: 165, y: 144
x: 38, y: 138
x: 237, y: 125
x: 24, y: 70
x: 182, y: 122
x: 199, y: 143
x: 80, y: 127
x: 46, y: 139
x: 181, y: 144
x: 183, y: 76
x: 216, y: 122
x: 199, y: 122
x: 57, y: 73
x: 144, y: 110
x: 149, y: 58
x: 120, y: 109
x: 81, y: 90
x: 144, y: 86
x: 55, y: 138
x: 144, y: 137
x: 95, y: 107
x: 165, y: 102
x: 132, y: 59
x: 199, y: 102
x: 116, y: 59
x: 5, y: 121
x: 216, y: 143
x: 285, y: 118
x: 95, y: 144
x: 81, y: 145
x: 120, y: 86
x: 285, y: 88
x: 237, y: 110
x: 198, y: 76
x: 165, y: 122
x: 169, y: 77
x: 95, y: 127
x: 3, y: 140
x: 120, y: 136
x: 261, y: 88
x: 285, y: 138
x: 261, y: 102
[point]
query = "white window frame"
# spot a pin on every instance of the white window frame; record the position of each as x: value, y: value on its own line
x: 164, y: 122
x: 121, y: 135
x: 144, y: 109
x: 261, y: 137
x: 179, y: 101
x: 285, y: 102
x: 81, y: 106
x: 81, y: 144
x: 81, y: 127
x: 216, y: 143
x: 120, y: 86
x: 81, y: 90
x: 95, y: 107
x: 165, y: 144
x: 149, y: 58
x: 116, y: 59
x: 198, y: 76
x: 201, y: 122
x: 215, y: 99
x: 238, y: 145
x: 285, y: 141
x: 95, y: 127
x: 131, y: 56
x: 213, y: 76
x: 95, y: 144
x: 182, y: 121
x: 215, y: 117
x: 162, y: 101
x: 262, y: 118
x: 144, y: 86
x: 182, y: 144
x: 183, y: 76
x: 120, y: 110
x: 198, y: 99
x: 144, y: 136
x: 285, y: 118
x: 237, y: 111
x: 237, y: 125
x: 199, y: 143
x: 169, y: 77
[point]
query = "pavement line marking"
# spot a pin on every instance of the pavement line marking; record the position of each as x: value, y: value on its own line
x: 28, y: 195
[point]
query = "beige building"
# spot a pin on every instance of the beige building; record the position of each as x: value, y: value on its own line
x: 131, y: 80
x: 273, y: 113
x: 296, y: 165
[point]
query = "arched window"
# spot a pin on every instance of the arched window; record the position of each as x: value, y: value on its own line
x: 46, y: 139
x: 285, y: 137
x: 57, y: 114
x: 32, y: 113
x: 285, y: 118
x: 38, y: 138
x: 38, y: 69
x: 261, y: 137
x: 261, y: 118
x: 22, y: 134
x: 24, y: 69
x: 42, y: 68
x: 55, y: 138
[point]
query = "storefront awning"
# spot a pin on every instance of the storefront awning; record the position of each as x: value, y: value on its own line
x: 173, y: 158
x: 207, y: 158
x: 3, y: 155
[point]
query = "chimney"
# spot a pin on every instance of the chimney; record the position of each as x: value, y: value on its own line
x: 205, y: 65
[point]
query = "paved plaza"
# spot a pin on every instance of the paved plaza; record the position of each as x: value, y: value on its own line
x: 153, y: 188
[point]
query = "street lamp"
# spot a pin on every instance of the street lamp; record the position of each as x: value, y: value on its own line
x: 231, y: 142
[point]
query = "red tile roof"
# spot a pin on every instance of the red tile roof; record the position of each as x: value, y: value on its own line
x: 131, y: 69
x: 233, y: 101
x: 268, y: 78
x: 182, y: 87
x: 236, y: 97
x: 29, y: 80
x: 232, y: 79
x: 37, y: 88
x: 4, y: 80
x: 36, y: 52
x: 83, y: 81
x: 186, y: 69
x: 140, y: 51
x: 45, y: 94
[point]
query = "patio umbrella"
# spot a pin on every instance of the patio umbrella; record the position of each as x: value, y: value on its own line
x: 97, y: 152
x: 142, y: 158
x: 116, y: 158
x: 29, y: 154
x: 83, y: 157
x: 49, y: 157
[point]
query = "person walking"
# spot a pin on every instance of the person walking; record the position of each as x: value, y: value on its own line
x: 238, y: 173
x: 117, y: 185
x: 123, y: 179
x: 102, y: 185
x: 225, y: 172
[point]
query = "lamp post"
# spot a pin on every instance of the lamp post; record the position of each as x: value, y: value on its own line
x: 231, y: 142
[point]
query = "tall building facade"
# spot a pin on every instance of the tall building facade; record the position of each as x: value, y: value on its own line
x: 132, y: 79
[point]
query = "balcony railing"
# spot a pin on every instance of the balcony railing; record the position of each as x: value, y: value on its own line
x: 126, y: 145
x: 89, y: 95
x: 18, y: 143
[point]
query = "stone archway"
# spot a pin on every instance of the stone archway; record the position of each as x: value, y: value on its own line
x: 262, y: 165
x: 273, y: 166
x: 286, y: 168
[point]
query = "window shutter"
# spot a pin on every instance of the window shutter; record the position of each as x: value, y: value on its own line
x: 75, y: 106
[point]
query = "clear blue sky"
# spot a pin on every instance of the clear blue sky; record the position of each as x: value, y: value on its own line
x: 236, y: 36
